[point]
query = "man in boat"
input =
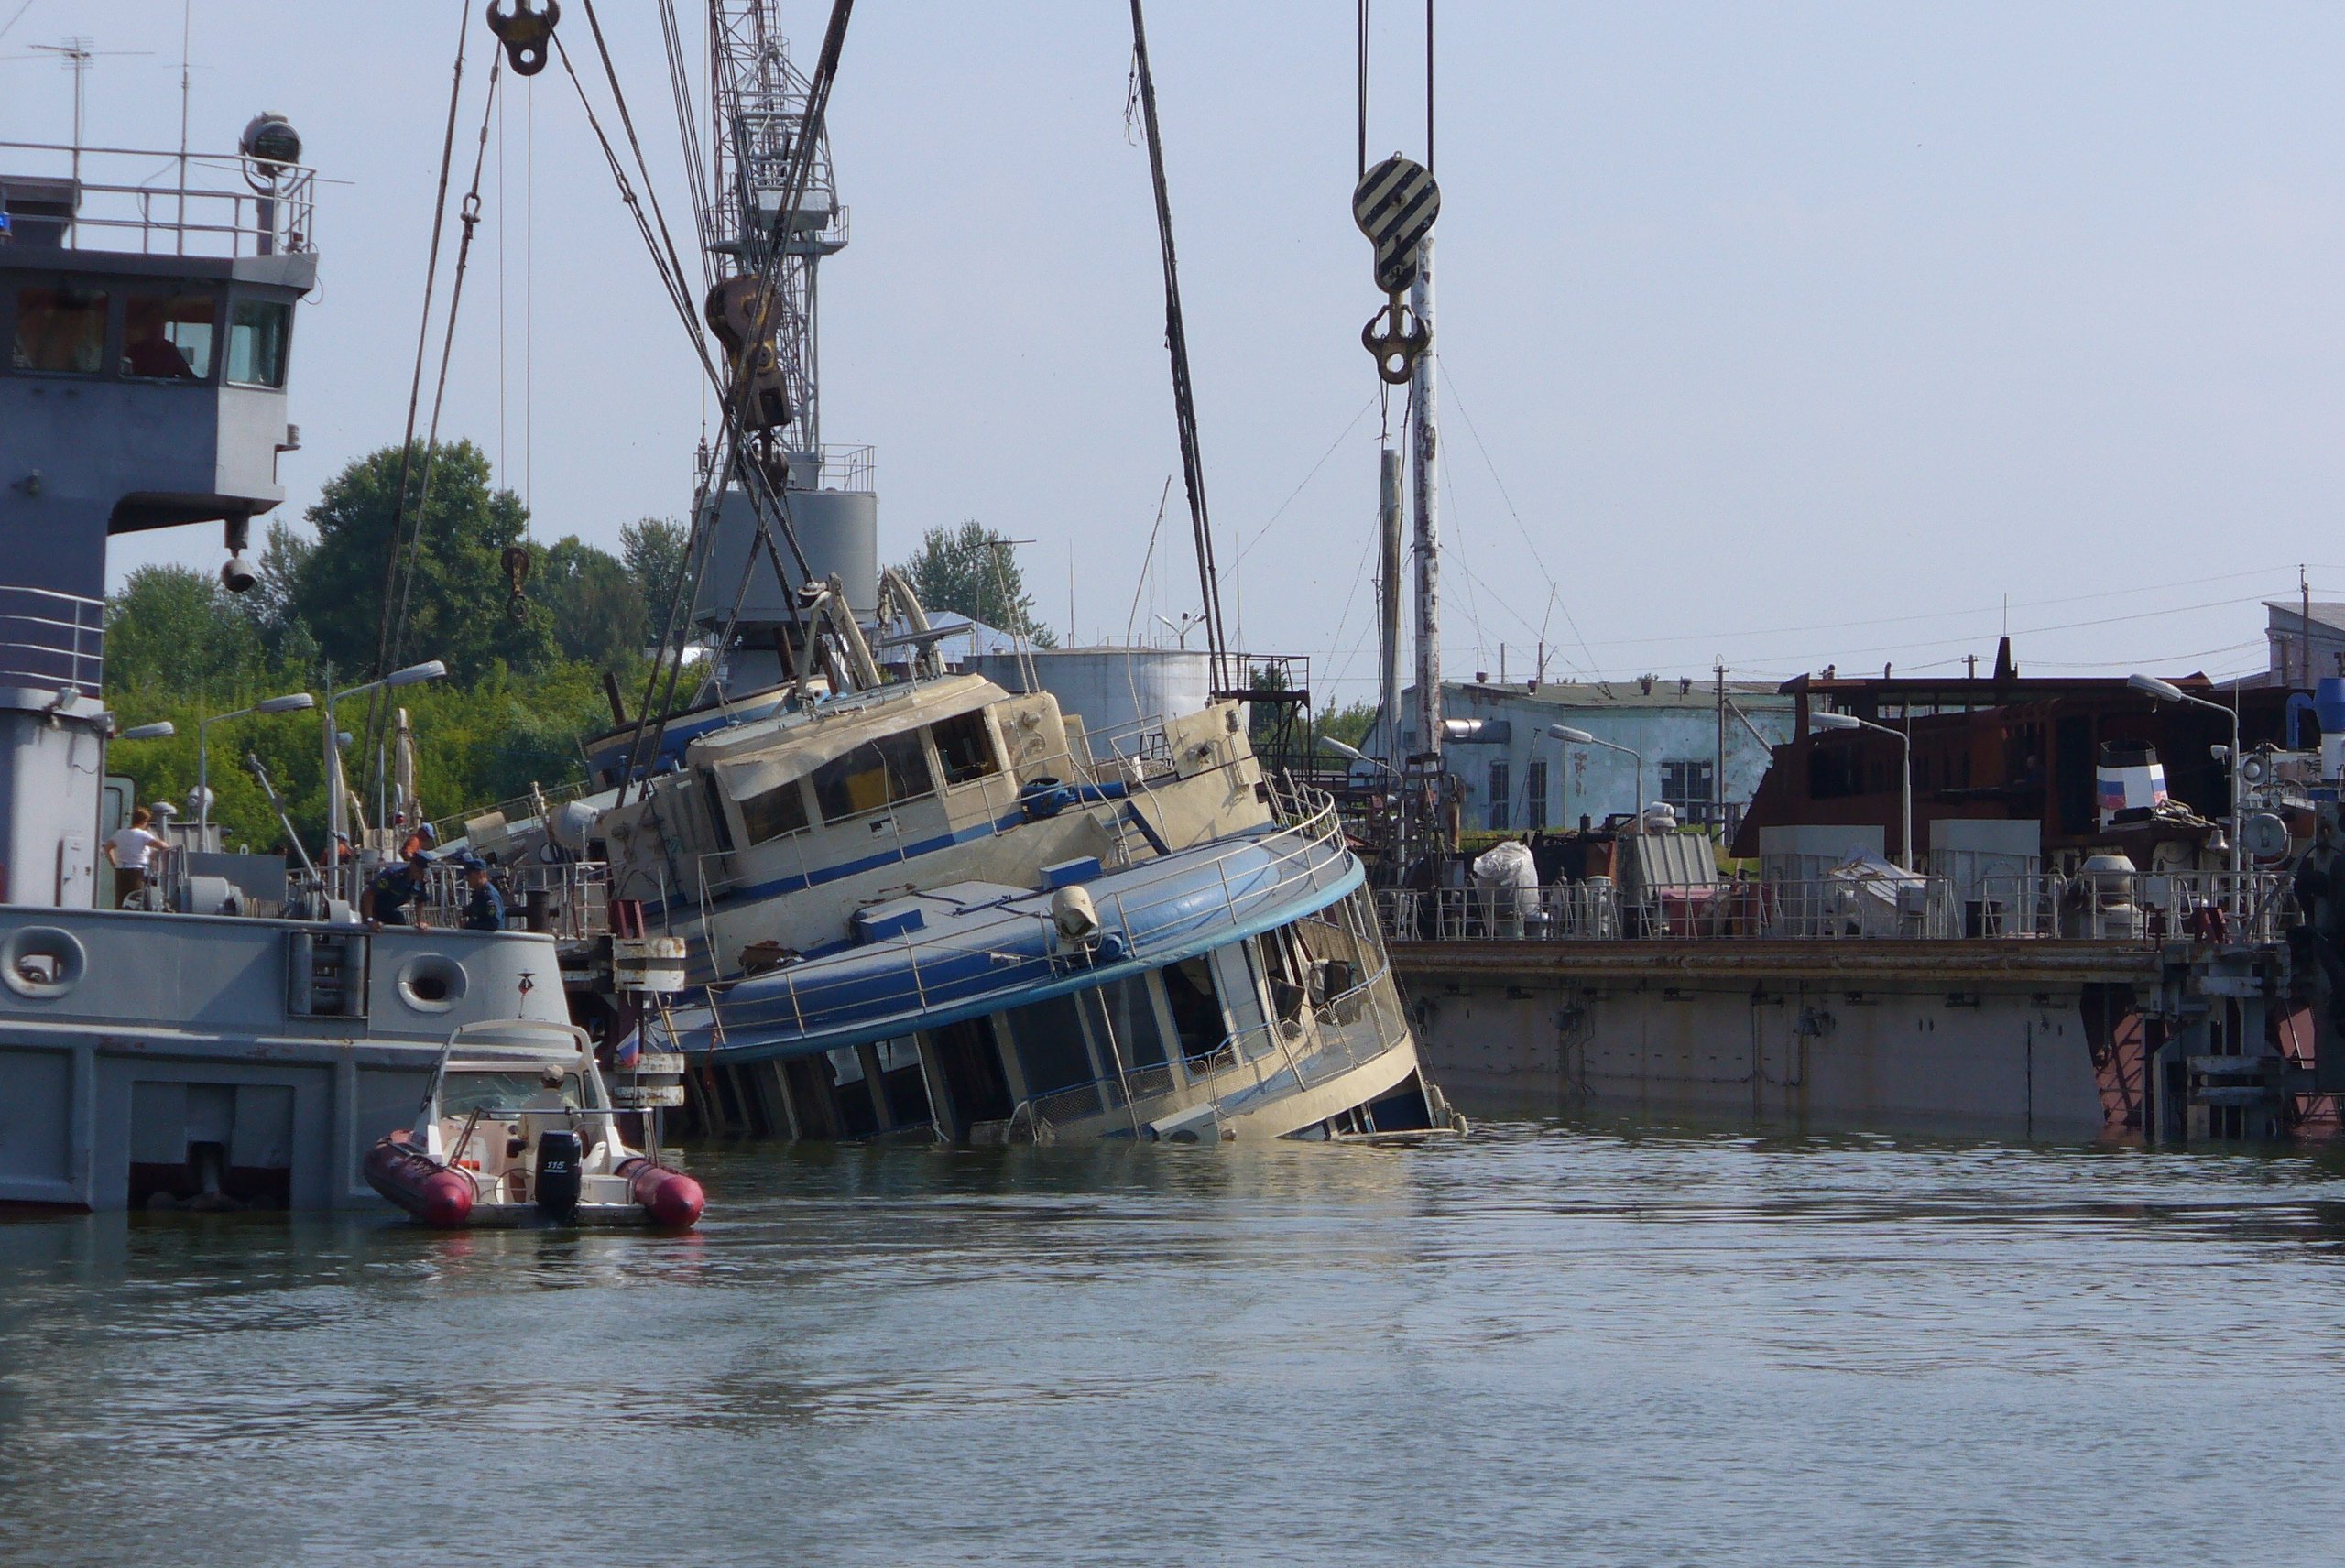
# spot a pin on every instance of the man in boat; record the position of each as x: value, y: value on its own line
x: 484, y: 905
x: 386, y: 898
x: 548, y: 1110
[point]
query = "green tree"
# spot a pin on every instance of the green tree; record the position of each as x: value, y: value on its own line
x: 972, y: 571
x: 597, y: 607
x: 1349, y: 725
x: 456, y: 607
x: 653, y: 549
x: 174, y: 629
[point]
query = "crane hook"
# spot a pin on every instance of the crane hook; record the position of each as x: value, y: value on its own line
x: 517, y: 572
x: 524, y: 32
x: 1402, y: 338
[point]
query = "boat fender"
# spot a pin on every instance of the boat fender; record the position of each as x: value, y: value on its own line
x: 560, y: 1179
x: 673, y: 1198
x: 1074, y: 916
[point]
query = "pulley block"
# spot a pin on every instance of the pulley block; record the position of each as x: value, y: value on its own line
x: 525, y: 29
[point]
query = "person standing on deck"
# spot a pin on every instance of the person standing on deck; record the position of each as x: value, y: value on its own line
x: 131, y: 852
x: 386, y: 898
x: 484, y: 905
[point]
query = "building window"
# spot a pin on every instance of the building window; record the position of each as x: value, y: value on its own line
x: 61, y: 330
x: 1534, y: 793
x: 965, y: 748
x: 257, y: 335
x: 1500, y: 791
x: 1689, y: 783
x: 876, y: 773
x: 168, y: 337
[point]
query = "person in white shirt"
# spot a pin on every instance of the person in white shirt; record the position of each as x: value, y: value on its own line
x: 133, y: 851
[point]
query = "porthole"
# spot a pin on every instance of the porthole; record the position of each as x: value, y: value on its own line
x: 431, y: 983
x: 42, y: 961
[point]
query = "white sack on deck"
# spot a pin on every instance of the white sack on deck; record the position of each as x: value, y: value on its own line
x: 1509, y: 865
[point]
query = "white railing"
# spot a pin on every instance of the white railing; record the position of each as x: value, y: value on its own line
x: 158, y: 204
x: 52, y: 641
x: 1246, y: 874
x: 2254, y: 906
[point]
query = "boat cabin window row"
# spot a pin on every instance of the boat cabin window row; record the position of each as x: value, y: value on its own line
x: 874, y: 776
x: 142, y: 331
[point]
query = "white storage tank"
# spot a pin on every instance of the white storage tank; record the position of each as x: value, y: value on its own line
x: 839, y: 531
x: 1109, y: 689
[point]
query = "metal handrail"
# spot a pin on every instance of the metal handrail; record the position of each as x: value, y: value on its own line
x: 2256, y: 906
x: 278, y: 217
x: 1301, y: 856
x: 61, y: 638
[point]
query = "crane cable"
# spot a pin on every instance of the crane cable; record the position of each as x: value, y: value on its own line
x: 422, y: 340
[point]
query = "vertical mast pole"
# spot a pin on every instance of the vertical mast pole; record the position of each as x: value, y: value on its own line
x: 1390, y: 568
x: 1424, y: 442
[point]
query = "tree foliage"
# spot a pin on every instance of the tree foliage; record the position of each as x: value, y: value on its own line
x: 455, y: 606
x: 653, y: 549
x: 172, y: 624
x: 520, y: 695
x: 594, y: 603
x: 972, y: 571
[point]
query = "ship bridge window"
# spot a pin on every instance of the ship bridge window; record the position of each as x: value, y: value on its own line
x: 60, y: 328
x: 876, y: 774
x: 965, y: 748
x: 167, y: 336
x: 774, y: 812
x: 257, y: 338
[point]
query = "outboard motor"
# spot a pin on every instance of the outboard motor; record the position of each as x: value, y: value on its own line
x: 561, y: 1155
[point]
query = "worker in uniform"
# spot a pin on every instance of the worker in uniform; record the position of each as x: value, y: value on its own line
x: 484, y: 905
x: 386, y: 898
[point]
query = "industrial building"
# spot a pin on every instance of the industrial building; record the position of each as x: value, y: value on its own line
x: 1704, y: 746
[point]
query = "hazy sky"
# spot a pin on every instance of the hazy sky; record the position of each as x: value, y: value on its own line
x: 1779, y: 334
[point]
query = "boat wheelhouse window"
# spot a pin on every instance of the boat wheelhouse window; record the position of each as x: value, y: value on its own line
x: 1138, y: 1039
x: 876, y: 774
x: 257, y: 333
x: 1280, y: 974
x: 722, y: 823
x: 167, y: 336
x: 1051, y: 1051
x: 499, y: 1096
x: 1196, y: 1006
x: 965, y: 747
x: 774, y: 812
x: 60, y: 328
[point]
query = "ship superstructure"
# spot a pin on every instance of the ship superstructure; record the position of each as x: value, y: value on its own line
x: 199, y: 1052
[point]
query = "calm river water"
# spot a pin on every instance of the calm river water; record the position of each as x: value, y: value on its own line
x: 1551, y: 1343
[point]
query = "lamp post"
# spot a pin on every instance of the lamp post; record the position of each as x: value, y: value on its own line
x: 1354, y: 754
x: 1581, y: 737
x: 1851, y: 721
x: 291, y: 702
x: 414, y: 674
x: 2167, y: 691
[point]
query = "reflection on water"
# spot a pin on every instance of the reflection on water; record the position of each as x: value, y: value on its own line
x: 1547, y: 1344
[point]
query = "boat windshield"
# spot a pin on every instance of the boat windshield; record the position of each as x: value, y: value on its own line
x: 498, y: 1096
